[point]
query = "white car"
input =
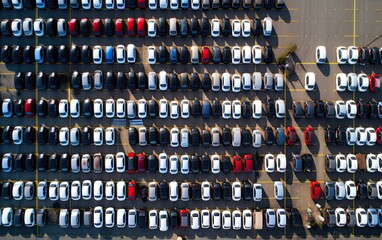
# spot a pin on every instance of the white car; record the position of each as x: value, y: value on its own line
x: 363, y: 82
x: 270, y: 218
x: 42, y: 190
x: 74, y: 108
x: 121, y: 190
x: 131, y: 108
x: 109, y: 217
x: 110, y: 136
x: 28, y: 27
x: 151, y: 54
x: 281, y: 218
x: 131, y: 53
x: 340, y: 108
x: 352, y: 163
x: 226, y: 219
x: 98, y: 217
x: 29, y: 217
x: 351, y: 109
x: 98, y: 190
x: 245, y: 28
x: 379, y: 189
x: 75, y: 190
x: 351, y: 136
x: 53, y: 190
x: 340, y: 163
x: 63, y: 218
x: 98, y: 136
x: 246, y: 54
x: 109, y: 190
x: 132, y: 218
x: 7, y: 216
x: 371, y: 162
x: 63, y: 108
x: 173, y: 191
x: 236, y: 28
x: 195, y: 4
x: 340, y: 217
x: 153, y: 219
x: 352, y: 55
x: 215, y: 82
x: 257, y: 110
x: 351, y: 190
x: 18, y: 135
x: 371, y: 136
x: 97, y: 4
x: 121, y: 4
x: 64, y: 191
x: 320, y: 54
x: 121, y: 218
x: 97, y: 54
x: 152, y: 27
x: 109, y: 163
x: 39, y: 27
x: 341, y: 82
x: 256, y: 138
x: 75, y: 218
x: 280, y: 108
x: 64, y: 136
x: 174, y: 164
x: 120, y: 159
x: 269, y: 162
x: 281, y: 162
x: 278, y: 190
x: 174, y: 5
x: 352, y: 81
x: 226, y: 82
x: 257, y: 192
x: 216, y: 219
x: 98, y: 108
x: 152, y: 81
x: 361, y: 217
x: 153, y: 4
x: 18, y: 190
x: 163, y: 108
x: 267, y: 26
x: 163, y: 163
x: 194, y: 219
x: 185, y: 108
x: 121, y: 54
x: 268, y: 81
x: 206, y: 191
x: 163, y: 220
x: 86, y: 4
x: 205, y: 218
x: 142, y: 108
x: 174, y: 110
x: 184, y: 137
x: 279, y: 82
x: 361, y: 136
x: 109, y: 4
x: 256, y: 54
x: 342, y: 55
x: 17, y: 27
x: 121, y: 108
x: 236, y: 109
x: 310, y: 81
x: 236, y: 220
x: 215, y: 164
x: 87, y: 189
x: 226, y: 109
x: 236, y: 191
x: 215, y: 27
x: 163, y: 81
x: 247, y: 219
x: 163, y: 4
x: 236, y: 83
x: 339, y: 190
x: 184, y: 164
x: 236, y: 55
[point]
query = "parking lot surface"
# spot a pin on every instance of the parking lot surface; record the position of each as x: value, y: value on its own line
x: 304, y: 23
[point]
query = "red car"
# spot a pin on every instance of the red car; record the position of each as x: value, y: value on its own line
x: 184, y: 218
x: 131, y: 27
x: 97, y: 27
x: 378, y: 131
x: 132, y: 191
x: 131, y: 162
x: 142, y: 4
x: 248, y: 163
x: 315, y: 190
x: 309, y: 136
x: 291, y: 136
x: 374, y: 82
x: 206, y: 55
x: 141, y: 27
x: 142, y: 162
x: 237, y: 164
x: 73, y: 27
x: 119, y: 27
x: 30, y: 107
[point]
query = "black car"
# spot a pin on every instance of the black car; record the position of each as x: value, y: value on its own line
x: 319, y: 109
x: 372, y: 107
x: 6, y: 54
x: 164, y: 136
x: 363, y: 55
x: 75, y: 54
x: 75, y: 80
x: 132, y: 163
x: 216, y: 191
x: 374, y: 56
x: 7, y: 190
x: 133, y: 136
x: 5, y: 27
x: 162, y: 56
x: 340, y: 135
x: 7, y: 135
x: 195, y: 164
x: 65, y: 162
x: 51, y: 27
x: 183, y: 27
x: 87, y: 108
x: 19, y: 81
x: 18, y: 217
x: 196, y: 191
x: 330, y: 111
x: 17, y: 54
x: 86, y: 136
x: 52, y: 108
x: 307, y: 160
x: 19, y: 108
x: 216, y: 108
x: 196, y: 108
x: 142, y: 218
x: 53, y: 81
x: 297, y: 109
x: 42, y: 136
x: 29, y: 135
x: 227, y: 191
x: 153, y: 136
x: 309, y: 109
x: 62, y: 54
x: 183, y: 55
x: 19, y: 163
x: 226, y: 164
x: 162, y: 27
x: 174, y: 218
x: 247, y: 191
x: 144, y: 191
x: 206, y: 112
x: 246, y: 138
x: 86, y: 54
x: 330, y: 136
x: 41, y: 217
x: 163, y: 190
x: 85, y: 27
x: 330, y: 163
x: 206, y: 82
x: 235, y: 4
x: 362, y: 109
x: 53, y: 162
x: 30, y: 80
x: 41, y: 81
x: 226, y: 4
x: 361, y: 190
x: 152, y: 163
x: 247, y: 4
x: 195, y: 137
x: 109, y: 27
x: 226, y: 27
x: 132, y: 81
x: 28, y: 54
x: 142, y: 80
x: 195, y: 82
x: 121, y: 81
x: 153, y: 108
x: 205, y: 27
x: 51, y: 54
x: 184, y: 82
x: 269, y: 136
x: 227, y: 55
x: 268, y: 54
x: 216, y: 55
x: 215, y: 4
x: 110, y: 81
x: 205, y: 163
x: 173, y: 82
x: 226, y: 136
x: 268, y: 4
x: 42, y: 162
x: 246, y: 109
x: 194, y: 27
x: 53, y: 136
x: 206, y: 138
x: 295, y: 218
x: 270, y: 108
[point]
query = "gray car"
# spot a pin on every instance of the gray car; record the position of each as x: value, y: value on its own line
x: 329, y: 190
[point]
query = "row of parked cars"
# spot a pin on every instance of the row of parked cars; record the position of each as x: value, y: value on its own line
x: 142, y: 108
x: 353, y: 162
x: 349, y: 190
x: 360, y: 217
x: 361, y: 82
x: 351, y: 55
x: 139, y: 27
x: 142, y: 4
